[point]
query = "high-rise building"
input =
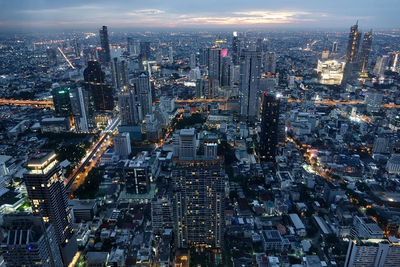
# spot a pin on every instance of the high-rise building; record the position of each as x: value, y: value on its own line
x: 193, y: 63
x: 101, y: 93
x: 122, y: 145
x: 143, y: 91
x: 335, y: 46
x: 128, y: 109
x: 227, y: 72
x: 77, y: 48
x: 250, y: 67
x: 29, y: 241
x: 214, y: 63
x: 269, y: 127
x: 204, y: 56
x: 382, y: 62
x: 45, y: 185
x: 270, y: 63
x: 80, y: 109
x: 200, y: 88
x: 104, y: 52
x: 161, y: 214
x: 235, y: 49
x: 133, y: 47
x: 145, y: 50
x: 171, y: 55
x: 137, y: 174
x: 373, y: 101
x: 184, y: 142
x: 199, y: 205
x: 353, y: 45
x: 365, y: 51
x: 61, y: 100
x: 119, y: 73
x: 384, y: 254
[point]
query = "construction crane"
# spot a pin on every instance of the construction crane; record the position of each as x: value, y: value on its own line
x: 66, y: 59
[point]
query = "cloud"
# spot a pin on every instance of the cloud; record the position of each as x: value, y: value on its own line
x: 147, y: 12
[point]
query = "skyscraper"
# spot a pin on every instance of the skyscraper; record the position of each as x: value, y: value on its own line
x: 226, y: 72
x: 104, y: 52
x: 353, y: 45
x: 122, y: 145
x: 145, y: 50
x: 61, y: 100
x: 382, y: 62
x: 143, y: 91
x: 45, y: 186
x: 365, y: 51
x: 334, y: 47
x: 235, y: 49
x: 269, y: 127
x: 198, y: 205
x: 81, y: 110
x: 119, y: 73
x: 101, y: 94
x: 51, y: 56
x: 29, y: 241
x: 133, y: 47
x: 128, y: 109
x: 270, y: 63
x: 214, y: 63
x: 250, y: 65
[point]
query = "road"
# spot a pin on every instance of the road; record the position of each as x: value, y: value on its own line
x: 92, y: 156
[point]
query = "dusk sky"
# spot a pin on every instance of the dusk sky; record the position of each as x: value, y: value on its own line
x: 318, y: 14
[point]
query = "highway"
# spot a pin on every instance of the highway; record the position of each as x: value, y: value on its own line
x: 92, y: 156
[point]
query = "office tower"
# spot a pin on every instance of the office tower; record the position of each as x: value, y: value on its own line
x: 51, y: 56
x: 122, y: 145
x: 143, y: 91
x: 29, y: 241
x: 115, y: 73
x: 204, y: 56
x: 270, y: 63
x: 128, y: 110
x: 269, y: 127
x: 119, y: 73
x: 335, y: 47
x: 185, y: 144
x: 145, y: 50
x: 133, y: 47
x: 214, y: 63
x: 382, y: 145
x: 366, y: 228
x: 80, y: 109
x: 227, y: 72
x: 210, y: 150
x: 104, y: 52
x: 61, y: 100
x: 137, y: 174
x: 235, y: 49
x: 199, y: 193
x: 250, y: 65
x: 212, y: 88
x: 382, y: 62
x: 373, y: 101
x: 101, y: 94
x: 161, y: 214
x: 171, y: 55
x: 193, y: 63
x: 46, y: 191
x: 365, y: 51
x: 384, y: 254
x: 200, y: 88
x: 77, y: 48
x: 353, y: 45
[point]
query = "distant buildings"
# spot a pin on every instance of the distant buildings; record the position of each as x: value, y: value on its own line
x: 373, y: 101
x: 45, y: 186
x: 382, y: 63
x: 365, y: 51
x: 269, y: 127
x: 235, y: 49
x: 61, y: 100
x: 29, y: 241
x: 270, y: 63
x: 143, y: 92
x: 119, y: 73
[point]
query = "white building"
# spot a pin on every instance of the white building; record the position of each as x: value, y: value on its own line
x: 122, y: 145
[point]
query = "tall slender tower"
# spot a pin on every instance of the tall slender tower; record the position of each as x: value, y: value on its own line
x: 101, y: 93
x: 365, y: 51
x: 128, y: 107
x: 250, y: 68
x: 143, y: 91
x: 104, y: 53
x: 46, y: 190
x: 353, y: 45
x: 214, y: 63
x: 270, y: 63
x: 235, y: 49
x: 269, y: 127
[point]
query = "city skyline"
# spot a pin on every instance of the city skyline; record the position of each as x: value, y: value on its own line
x: 75, y: 15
